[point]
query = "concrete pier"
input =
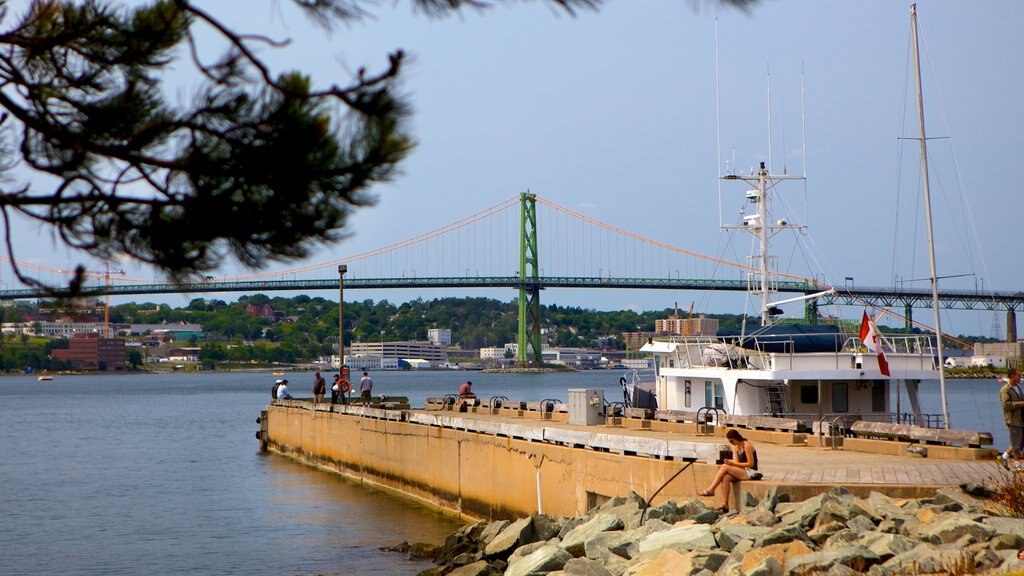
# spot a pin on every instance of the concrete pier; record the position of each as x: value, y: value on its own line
x: 500, y: 464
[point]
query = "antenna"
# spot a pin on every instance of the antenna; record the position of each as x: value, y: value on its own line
x: 768, y: 69
x: 718, y: 130
x: 803, y: 135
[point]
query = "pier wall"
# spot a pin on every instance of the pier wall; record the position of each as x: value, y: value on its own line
x: 475, y: 475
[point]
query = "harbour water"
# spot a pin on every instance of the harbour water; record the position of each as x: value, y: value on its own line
x: 161, y: 474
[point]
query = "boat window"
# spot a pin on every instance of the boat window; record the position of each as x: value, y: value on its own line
x: 808, y: 394
x: 840, y: 397
x: 687, y: 394
x: 714, y: 394
x: 878, y: 396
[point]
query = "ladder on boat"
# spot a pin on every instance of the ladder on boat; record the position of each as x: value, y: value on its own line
x: 775, y: 399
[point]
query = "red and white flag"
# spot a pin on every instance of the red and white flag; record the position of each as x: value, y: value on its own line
x: 869, y: 336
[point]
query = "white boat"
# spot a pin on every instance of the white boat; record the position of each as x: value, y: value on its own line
x: 812, y: 373
x: 44, y: 378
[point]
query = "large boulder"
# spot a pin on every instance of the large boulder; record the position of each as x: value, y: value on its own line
x: 574, y: 541
x: 547, y: 558
x: 513, y: 536
x: 950, y: 527
x: 672, y: 562
x: 730, y: 534
x: 490, y: 531
x: 481, y: 568
x: 859, y: 558
x: 684, y: 537
x: 781, y: 553
x: 585, y: 567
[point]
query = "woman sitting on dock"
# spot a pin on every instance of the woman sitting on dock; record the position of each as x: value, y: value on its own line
x: 742, y: 466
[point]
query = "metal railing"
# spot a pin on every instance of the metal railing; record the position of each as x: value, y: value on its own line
x: 767, y: 352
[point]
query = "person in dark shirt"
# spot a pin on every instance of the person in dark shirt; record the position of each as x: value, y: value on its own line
x: 742, y: 466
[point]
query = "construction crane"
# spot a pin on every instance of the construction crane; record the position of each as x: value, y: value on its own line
x: 106, y: 307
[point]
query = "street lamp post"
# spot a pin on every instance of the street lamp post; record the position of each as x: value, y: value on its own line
x: 341, y: 315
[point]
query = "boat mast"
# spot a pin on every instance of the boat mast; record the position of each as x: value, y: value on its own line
x: 928, y: 218
x: 762, y: 212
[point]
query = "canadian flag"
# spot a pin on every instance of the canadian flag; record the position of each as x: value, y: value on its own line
x: 869, y: 336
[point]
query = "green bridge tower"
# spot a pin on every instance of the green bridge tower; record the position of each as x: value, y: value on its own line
x: 529, y: 351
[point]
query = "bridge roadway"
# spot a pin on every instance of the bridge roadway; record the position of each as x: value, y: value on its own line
x: 953, y: 299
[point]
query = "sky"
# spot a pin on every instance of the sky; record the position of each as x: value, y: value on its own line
x: 613, y: 114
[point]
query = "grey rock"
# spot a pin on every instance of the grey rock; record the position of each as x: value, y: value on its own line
x: 513, y: 536
x: 473, y: 530
x: 887, y: 545
x: 575, y: 540
x: 860, y: 524
x: 767, y: 567
x: 734, y: 562
x: 601, y: 545
x: 770, y: 500
x: 547, y: 527
x: 546, y: 559
x: 857, y: 557
x: 755, y: 517
x: 466, y: 558
x: 976, y: 489
x: 785, y: 534
x: 860, y: 507
x: 585, y: 567
x: 1004, y: 525
x: 480, y: 568
x: 1010, y: 562
x: 921, y: 560
x: 950, y: 527
x: 449, y: 553
x: 526, y: 550
x: 571, y: 524
x: 1007, y: 542
x: 731, y: 534
x: 833, y: 509
x: 492, y: 530
x: 823, y: 533
x: 686, y: 537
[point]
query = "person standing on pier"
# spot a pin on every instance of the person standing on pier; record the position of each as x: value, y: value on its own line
x: 319, y: 388
x: 742, y: 466
x: 1011, y: 397
x: 365, y: 388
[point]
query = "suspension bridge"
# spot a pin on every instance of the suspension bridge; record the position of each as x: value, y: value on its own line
x: 500, y: 247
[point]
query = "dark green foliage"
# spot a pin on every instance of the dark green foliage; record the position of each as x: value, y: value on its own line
x: 260, y: 165
x: 307, y: 327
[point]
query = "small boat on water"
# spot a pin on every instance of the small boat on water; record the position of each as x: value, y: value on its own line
x: 277, y: 373
x: 44, y: 378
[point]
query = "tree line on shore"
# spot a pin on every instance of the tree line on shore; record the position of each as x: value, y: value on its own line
x: 299, y: 328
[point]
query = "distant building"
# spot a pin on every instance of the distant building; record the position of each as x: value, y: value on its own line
x: 492, y: 353
x: 998, y: 354
x: 260, y: 311
x: 676, y: 326
x: 574, y: 357
x: 91, y: 351
x: 401, y: 349
x: 442, y: 336
x: 634, y: 340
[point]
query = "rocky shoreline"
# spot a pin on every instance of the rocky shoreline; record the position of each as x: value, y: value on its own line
x: 835, y: 533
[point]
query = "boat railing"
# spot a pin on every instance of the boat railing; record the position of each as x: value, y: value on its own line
x: 922, y: 420
x: 777, y: 351
x: 707, y: 418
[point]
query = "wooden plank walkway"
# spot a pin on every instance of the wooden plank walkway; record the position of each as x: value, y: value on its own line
x: 919, y: 472
x: 804, y: 464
